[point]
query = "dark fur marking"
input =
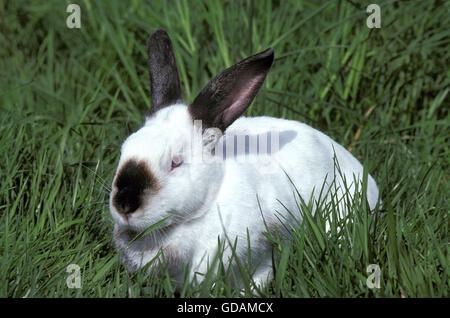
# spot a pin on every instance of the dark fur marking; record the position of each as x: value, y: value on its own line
x: 164, y: 79
x: 132, y: 180
x: 230, y: 93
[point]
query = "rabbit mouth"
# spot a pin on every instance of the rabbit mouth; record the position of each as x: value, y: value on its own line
x: 140, y: 239
x: 135, y: 223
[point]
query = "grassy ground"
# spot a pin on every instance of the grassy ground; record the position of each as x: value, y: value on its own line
x: 69, y: 97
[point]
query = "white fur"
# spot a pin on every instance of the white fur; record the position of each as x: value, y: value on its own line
x: 207, y: 201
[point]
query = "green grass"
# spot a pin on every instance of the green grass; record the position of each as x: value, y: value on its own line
x: 68, y: 99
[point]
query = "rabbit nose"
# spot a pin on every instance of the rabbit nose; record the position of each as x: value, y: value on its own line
x: 131, y: 182
x: 127, y: 200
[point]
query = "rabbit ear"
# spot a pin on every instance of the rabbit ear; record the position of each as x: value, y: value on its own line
x: 230, y: 93
x: 164, y: 80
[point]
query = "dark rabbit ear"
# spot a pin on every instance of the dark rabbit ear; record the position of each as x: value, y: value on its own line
x: 164, y: 80
x: 231, y: 92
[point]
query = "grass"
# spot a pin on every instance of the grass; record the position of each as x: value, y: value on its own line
x: 69, y: 97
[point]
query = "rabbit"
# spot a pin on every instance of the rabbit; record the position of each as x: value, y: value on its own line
x: 179, y: 170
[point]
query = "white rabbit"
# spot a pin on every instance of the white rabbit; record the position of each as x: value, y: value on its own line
x: 178, y: 166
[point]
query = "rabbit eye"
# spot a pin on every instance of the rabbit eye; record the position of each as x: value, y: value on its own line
x: 176, y: 162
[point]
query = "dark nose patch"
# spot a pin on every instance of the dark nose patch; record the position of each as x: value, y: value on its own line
x: 133, y: 178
